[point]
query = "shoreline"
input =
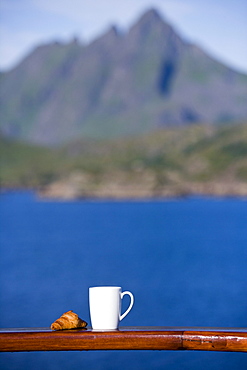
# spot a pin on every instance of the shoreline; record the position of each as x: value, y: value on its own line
x: 73, y: 189
x: 64, y: 192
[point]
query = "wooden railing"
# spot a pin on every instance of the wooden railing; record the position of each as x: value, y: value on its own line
x: 126, y: 338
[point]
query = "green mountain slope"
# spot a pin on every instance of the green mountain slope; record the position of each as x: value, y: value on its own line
x: 195, y: 159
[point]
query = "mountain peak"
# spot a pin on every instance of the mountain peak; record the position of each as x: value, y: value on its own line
x: 150, y: 19
x: 151, y: 22
x: 108, y: 38
x: 151, y: 15
x: 113, y: 31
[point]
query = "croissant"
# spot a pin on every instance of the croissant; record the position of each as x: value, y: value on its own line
x: 68, y: 320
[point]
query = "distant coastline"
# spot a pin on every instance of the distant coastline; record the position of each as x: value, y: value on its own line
x: 66, y: 191
x: 178, y: 162
x: 63, y: 191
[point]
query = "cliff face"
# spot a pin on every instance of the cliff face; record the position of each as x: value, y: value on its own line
x: 120, y: 84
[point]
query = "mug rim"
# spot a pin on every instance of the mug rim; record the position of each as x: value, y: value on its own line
x: 105, y: 287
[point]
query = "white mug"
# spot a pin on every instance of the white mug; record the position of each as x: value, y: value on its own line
x: 105, y: 307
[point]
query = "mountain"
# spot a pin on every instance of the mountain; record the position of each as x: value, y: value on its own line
x: 118, y: 85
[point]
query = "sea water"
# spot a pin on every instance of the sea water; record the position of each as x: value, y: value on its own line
x: 185, y: 260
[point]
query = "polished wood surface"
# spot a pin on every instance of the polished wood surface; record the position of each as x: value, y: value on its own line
x: 126, y: 338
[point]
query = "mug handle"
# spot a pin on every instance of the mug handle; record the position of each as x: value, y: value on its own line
x: 130, y: 305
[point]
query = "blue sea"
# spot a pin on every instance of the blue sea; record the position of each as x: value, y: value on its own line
x: 185, y: 260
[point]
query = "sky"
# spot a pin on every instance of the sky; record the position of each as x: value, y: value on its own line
x: 218, y: 26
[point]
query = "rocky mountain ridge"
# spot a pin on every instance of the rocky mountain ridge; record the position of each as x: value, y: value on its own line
x: 118, y: 85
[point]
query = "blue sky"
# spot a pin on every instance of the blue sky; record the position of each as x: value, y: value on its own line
x: 218, y: 26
